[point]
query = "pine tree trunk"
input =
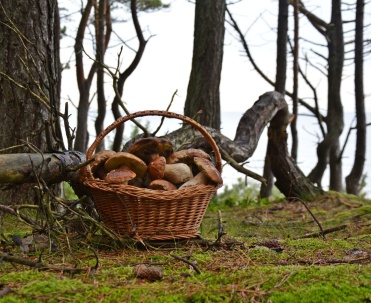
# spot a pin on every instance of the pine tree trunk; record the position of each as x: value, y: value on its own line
x: 353, y: 179
x: 29, y: 57
x: 204, y: 82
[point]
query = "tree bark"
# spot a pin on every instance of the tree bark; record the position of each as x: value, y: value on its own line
x: 29, y: 168
x: 290, y: 179
x: 203, y: 86
x: 84, y: 84
x: 293, y: 124
x: 353, y: 179
x: 280, y: 84
x: 29, y: 80
x: 328, y: 150
x: 102, y: 37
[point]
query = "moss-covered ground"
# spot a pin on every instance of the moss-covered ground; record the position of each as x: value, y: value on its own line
x: 270, y: 253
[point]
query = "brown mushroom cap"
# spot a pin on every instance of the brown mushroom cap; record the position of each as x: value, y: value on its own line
x: 121, y: 175
x: 209, y: 169
x: 186, y: 156
x: 156, y: 168
x: 149, y: 148
x: 160, y: 184
x: 177, y: 173
x: 100, y: 157
x: 199, y: 179
x: 130, y: 160
x: 100, y: 172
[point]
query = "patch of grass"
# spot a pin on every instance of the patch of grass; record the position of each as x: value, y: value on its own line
x: 241, y: 268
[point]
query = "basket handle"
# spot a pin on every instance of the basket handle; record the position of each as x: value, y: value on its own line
x: 86, y: 171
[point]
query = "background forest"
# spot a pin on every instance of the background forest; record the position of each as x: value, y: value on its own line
x: 169, y: 50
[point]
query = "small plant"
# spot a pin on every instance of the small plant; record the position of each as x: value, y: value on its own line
x: 239, y: 194
x: 69, y: 193
x: 242, y: 194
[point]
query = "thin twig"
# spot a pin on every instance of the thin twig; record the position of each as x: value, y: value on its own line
x: 240, y: 168
x: 187, y: 262
x: 322, y: 233
x: 313, y: 216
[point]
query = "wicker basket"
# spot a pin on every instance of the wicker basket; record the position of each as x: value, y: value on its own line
x: 146, y: 214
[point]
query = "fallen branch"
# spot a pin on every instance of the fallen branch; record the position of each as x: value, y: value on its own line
x: 322, y: 232
x: 187, y: 262
x: 314, y: 218
x: 44, y: 266
x: 174, y: 257
x: 240, y: 168
x: 364, y: 260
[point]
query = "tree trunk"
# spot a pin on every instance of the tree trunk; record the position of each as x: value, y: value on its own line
x: 281, y: 66
x: 293, y: 124
x: 204, y: 82
x: 84, y: 84
x: 290, y: 180
x: 101, y: 12
x: 353, y: 179
x: 117, y: 142
x: 29, y: 59
x: 328, y: 150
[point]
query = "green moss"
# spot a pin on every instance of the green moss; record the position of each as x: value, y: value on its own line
x: 304, y: 270
x: 341, y: 283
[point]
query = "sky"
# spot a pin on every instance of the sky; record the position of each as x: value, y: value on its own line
x: 166, y: 63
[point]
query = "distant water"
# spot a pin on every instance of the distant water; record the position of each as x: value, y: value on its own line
x: 309, y: 136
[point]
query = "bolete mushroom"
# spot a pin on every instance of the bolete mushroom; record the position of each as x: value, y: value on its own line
x: 150, y: 148
x: 99, y: 159
x: 121, y: 175
x: 186, y: 156
x: 156, y: 168
x: 200, y: 179
x: 160, y: 184
x: 123, y: 158
x: 100, y: 172
x: 206, y: 166
x: 177, y: 173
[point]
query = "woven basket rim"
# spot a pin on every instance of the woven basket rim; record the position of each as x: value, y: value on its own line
x: 187, y: 191
x: 86, y: 173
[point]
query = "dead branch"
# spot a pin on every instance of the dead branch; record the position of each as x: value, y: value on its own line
x: 119, y: 84
x: 322, y: 233
x: 187, y: 262
x: 313, y: 216
x: 241, y: 36
x: 45, y: 266
x: 240, y: 168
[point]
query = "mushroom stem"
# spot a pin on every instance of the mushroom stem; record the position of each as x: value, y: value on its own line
x: 177, y: 173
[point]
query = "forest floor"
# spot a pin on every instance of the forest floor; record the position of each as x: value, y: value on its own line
x: 319, y: 251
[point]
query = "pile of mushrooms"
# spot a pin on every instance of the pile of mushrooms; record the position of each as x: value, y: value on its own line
x: 151, y: 163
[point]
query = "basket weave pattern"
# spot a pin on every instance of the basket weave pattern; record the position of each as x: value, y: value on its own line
x: 146, y: 214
